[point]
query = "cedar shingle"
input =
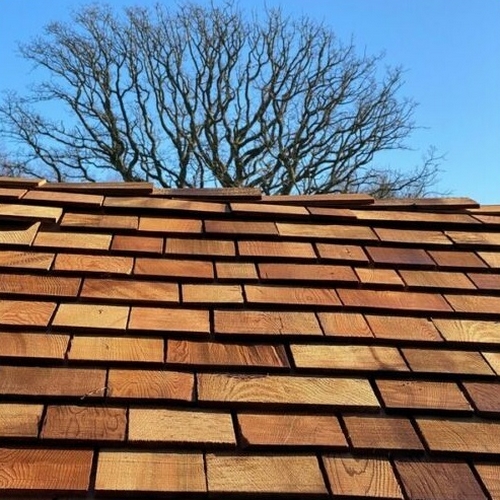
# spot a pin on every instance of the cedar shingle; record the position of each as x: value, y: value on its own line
x: 15, y: 236
x: 262, y: 294
x: 434, y: 279
x: 137, y: 244
x: 28, y: 313
x: 30, y: 212
x: 293, y: 390
x: 382, y: 433
x: 463, y: 260
x: 261, y: 429
x: 491, y: 258
x: 261, y: 474
x: 344, y: 324
x: 26, y: 260
x: 64, y: 199
x: 181, y: 426
x: 217, y: 354
x: 130, y: 290
x: 200, y: 247
x: 91, y: 316
x: 422, y: 395
x: 42, y: 381
x: 417, y: 216
x: 485, y: 281
x: 348, y: 357
x: 150, y: 384
x: 474, y: 303
x: 402, y: 328
x: 351, y: 253
x: 457, y: 436
x: 267, y: 209
x: 99, y: 221
x: 236, y: 271
x: 54, y: 470
x: 266, y: 323
x: 105, y: 264
x: 19, y: 420
x: 116, y: 349
x: 170, y: 225
x: 474, y: 238
x: 441, y: 361
x: 169, y: 320
x: 406, y: 256
x: 493, y: 359
x: 240, y: 227
x: 417, y: 237
x: 485, y: 395
x: 25, y: 284
x: 85, y: 423
x: 174, y: 268
x: 370, y: 276
x: 212, y: 293
x: 438, y: 481
x: 143, y: 472
x: 355, y: 477
x: 471, y: 331
x: 404, y: 301
x: 327, y: 231
x: 88, y: 241
x: 33, y: 345
x: 156, y: 203
x: 307, y: 272
x: 282, y: 249
x: 490, y: 476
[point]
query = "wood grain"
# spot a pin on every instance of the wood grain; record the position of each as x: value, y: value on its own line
x: 327, y: 231
x: 370, y: 276
x: 347, y: 357
x: 446, y: 361
x: 28, y: 313
x: 382, y: 433
x: 157, y: 203
x: 63, y: 198
x: 99, y: 221
x: 19, y: 420
x: 265, y: 429
x: 456, y: 435
x: 485, y: 395
x: 268, y: 209
x: 26, y: 260
x: 26, y: 284
x: 88, y: 241
x: 474, y: 238
x: 55, y: 470
x: 403, y: 328
x: 150, y: 384
x: 493, y: 359
x: 307, y: 272
x: 92, y: 423
x: 422, y: 395
x: 490, y: 476
x: 173, y: 268
x: 268, y: 294
x: 181, y: 427
x: 354, y: 477
x: 91, y: 316
x: 282, y: 249
x: 236, y: 271
x: 478, y: 304
x: 240, y: 227
x: 491, y: 258
x: 30, y: 212
x: 417, y: 237
x: 404, y: 256
x: 286, y: 390
x: 470, y: 331
x: 264, y: 474
x: 93, y: 263
x: 169, y: 320
x: 170, y: 225
x: 125, y: 349
x: 266, y: 323
x: 18, y: 236
x: 224, y: 354
x: 183, y: 246
x: 130, y: 291
x: 351, y: 253
x: 150, y: 472
x: 33, y: 345
x: 457, y: 259
x: 212, y: 294
x: 437, y: 279
x: 137, y: 244
x: 44, y: 381
x: 344, y: 324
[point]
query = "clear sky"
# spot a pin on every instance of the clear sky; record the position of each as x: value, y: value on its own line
x: 449, y: 48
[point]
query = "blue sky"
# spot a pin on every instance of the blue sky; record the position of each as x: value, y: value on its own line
x: 449, y: 48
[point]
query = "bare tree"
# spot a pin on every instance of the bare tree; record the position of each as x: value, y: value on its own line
x: 210, y: 97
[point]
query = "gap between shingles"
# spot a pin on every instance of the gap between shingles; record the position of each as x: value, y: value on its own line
x: 93, y: 473
x: 324, y: 473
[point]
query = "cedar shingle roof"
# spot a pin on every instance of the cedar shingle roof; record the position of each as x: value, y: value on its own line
x: 218, y: 343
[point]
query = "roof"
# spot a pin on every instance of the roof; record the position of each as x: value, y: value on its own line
x: 219, y: 343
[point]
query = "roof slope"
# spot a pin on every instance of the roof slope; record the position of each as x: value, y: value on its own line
x: 222, y: 344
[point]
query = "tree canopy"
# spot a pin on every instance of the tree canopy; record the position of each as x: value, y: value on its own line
x: 208, y: 96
